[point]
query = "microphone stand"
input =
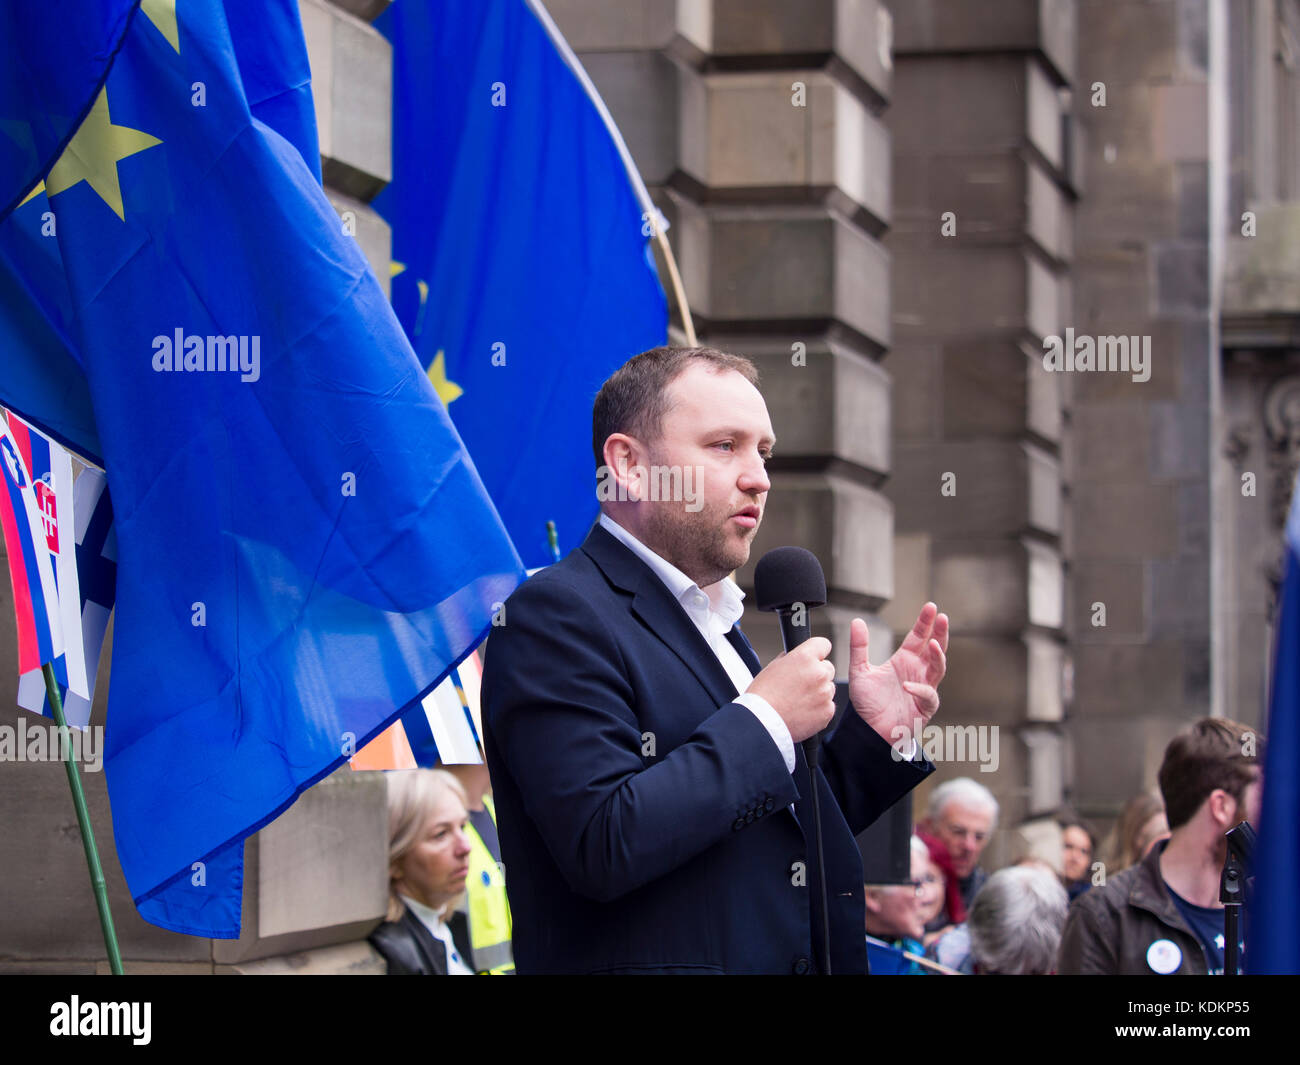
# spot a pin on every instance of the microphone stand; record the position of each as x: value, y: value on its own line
x: 791, y: 637
x: 787, y: 579
x: 812, y: 749
x: 1232, y: 890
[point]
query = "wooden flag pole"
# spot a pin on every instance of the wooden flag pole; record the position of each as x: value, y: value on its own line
x: 83, y: 821
x: 675, y: 279
x: 926, y: 963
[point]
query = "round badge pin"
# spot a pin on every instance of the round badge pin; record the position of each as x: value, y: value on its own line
x: 1164, y: 957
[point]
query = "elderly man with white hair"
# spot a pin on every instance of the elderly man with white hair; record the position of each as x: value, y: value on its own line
x: 962, y: 815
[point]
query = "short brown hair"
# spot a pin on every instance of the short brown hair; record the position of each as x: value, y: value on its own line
x: 635, y: 398
x: 1208, y: 754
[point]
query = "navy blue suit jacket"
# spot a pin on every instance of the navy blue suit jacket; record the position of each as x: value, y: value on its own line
x: 643, y: 815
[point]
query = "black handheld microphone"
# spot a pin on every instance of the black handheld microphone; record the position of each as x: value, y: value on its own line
x: 789, y: 581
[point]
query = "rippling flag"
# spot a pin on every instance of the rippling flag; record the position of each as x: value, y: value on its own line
x: 304, y: 546
x: 86, y: 568
x: 521, y: 244
x: 75, y: 533
x: 43, y: 380
x: 54, y: 56
x: 1274, y: 927
x: 443, y: 729
x: 31, y: 574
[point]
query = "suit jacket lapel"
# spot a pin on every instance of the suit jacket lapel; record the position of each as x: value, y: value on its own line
x: 655, y: 607
x: 664, y: 616
x: 432, y: 950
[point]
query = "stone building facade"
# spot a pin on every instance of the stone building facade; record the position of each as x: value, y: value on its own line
x: 893, y: 206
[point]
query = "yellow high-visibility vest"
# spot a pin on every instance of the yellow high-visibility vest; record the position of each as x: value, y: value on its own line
x: 488, y: 909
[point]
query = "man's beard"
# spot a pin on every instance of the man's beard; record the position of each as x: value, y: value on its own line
x: 697, y: 543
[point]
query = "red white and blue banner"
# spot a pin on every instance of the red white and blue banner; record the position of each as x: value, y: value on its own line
x: 27, y: 517
x: 58, y: 529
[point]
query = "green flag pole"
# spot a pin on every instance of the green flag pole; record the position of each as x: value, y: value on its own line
x: 553, y: 540
x: 83, y: 821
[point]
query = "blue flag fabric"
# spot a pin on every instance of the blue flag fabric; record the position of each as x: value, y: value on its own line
x: 44, y: 379
x: 54, y: 56
x: 272, y: 59
x: 525, y: 274
x: 885, y: 959
x: 304, y: 546
x: 1274, y: 928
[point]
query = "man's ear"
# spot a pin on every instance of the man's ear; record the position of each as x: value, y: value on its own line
x: 873, y: 899
x: 621, y: 457
x: 1223, y: 807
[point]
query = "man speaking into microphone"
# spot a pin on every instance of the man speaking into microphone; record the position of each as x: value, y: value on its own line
x: 653, y: 796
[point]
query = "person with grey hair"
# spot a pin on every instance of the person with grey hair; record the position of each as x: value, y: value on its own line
x: 1016, y: 922
x: 1014, y: 928
x: 962, y: 814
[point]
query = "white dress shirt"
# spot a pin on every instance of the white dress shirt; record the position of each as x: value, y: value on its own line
x: 714, y: 610
x: 433, y: 921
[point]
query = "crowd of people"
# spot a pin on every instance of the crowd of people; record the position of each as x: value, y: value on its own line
x: 1150, y: 904
x: 1145, y: 903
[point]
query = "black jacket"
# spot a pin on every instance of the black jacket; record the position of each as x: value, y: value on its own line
x: 412, y: 950
x: 644, y: 815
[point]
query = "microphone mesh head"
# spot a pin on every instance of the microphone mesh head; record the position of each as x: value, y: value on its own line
x: 787, y: 575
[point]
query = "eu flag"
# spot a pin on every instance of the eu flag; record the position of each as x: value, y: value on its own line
x: 304, y: 547
x: 44, y: 379
x: 525, y: 277
x: 1274, y: 921
x: 53, y: 58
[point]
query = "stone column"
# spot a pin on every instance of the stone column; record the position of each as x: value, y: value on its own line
x: 352, y: 88
x: 986, y: 180
x: 1139, y: 603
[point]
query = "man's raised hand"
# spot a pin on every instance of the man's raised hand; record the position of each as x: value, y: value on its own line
x: 903, y: 692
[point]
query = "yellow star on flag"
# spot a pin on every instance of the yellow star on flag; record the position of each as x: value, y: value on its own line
x: 162, y: 13
x: 40, y: 187
x: 93, y: 153
x: 447, y: 390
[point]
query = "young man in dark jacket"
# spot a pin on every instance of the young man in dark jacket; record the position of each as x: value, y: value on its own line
x: 1163, y: 915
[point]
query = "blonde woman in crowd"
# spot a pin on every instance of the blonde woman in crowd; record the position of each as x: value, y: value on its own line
x: 428, y: 861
